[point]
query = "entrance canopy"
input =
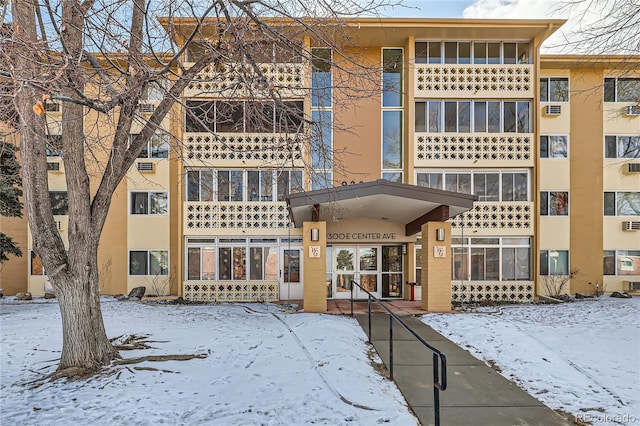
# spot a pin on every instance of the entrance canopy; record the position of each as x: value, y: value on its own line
x: 410, y: 205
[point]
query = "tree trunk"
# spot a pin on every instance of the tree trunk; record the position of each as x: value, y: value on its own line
x: 85, y: 343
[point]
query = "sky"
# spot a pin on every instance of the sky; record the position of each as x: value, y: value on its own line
x: 580, y: 15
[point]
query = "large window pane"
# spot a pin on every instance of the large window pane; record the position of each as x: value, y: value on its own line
x: 523, y: 117
x: 479, y: 117
x: 158, y: 262
x: 494, y: 114
x: 435, y: 54
x: 392, y: 139
x: 464, y: 117
x: 609, y: 203
x: 229, y: 117
x: 609, y: 262
x: 435, y: 117
x: 479, y: 53
x: 207, y: 192
x: 628, y: 90
x: 138, y: 262
x: 256, y: 265
x: 159, y: 203
x: 193, y: 185
x: 460, y: 262
x: 509, y: 117
x: 450, y: 116
x: 628, y: 262
x: 224, y: 263
x: 139, y: 203
x: 493, y: 53
x: 510, y: 50
x: 193, y: 263
x: 392, y: 61
x: 464, y: 53
x: 628, y: 203
x: 59, y: 202
x: 609, y: 89
x: 421, y: 52
x: 450, y: 52
x: 420, y: 116
x: 559, y: 89
x: 321, y: 78
x: 321, y: 140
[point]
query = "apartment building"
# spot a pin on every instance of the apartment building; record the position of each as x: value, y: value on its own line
x: 467, y: 163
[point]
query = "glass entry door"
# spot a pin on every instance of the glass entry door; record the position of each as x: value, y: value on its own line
x: 291, y: 273
x: 358, y: 263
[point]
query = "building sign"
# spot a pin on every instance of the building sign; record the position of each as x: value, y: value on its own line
x: 365, y: 236
x: 314, y: 251
x: 439, y: 251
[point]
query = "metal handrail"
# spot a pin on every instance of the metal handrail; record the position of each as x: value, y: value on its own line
x: 439, y: 358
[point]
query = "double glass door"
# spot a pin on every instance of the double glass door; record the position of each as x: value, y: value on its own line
x: 378, y: 269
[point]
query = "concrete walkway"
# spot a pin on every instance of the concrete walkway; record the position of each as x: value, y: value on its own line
x: 475, y: 395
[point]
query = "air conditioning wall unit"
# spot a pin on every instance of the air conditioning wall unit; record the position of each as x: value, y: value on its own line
x: 630, y: 285
x: 633, y: 110
x: 146, y: 167
x: 631, y: 168
x: 146, y: 108
x: 54, y: 166
x: 53, y: 106
x: 552, y: 109
x: 631, y: 225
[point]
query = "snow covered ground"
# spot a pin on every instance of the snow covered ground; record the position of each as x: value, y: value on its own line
x: 582, y: 357
x: 264, y: 367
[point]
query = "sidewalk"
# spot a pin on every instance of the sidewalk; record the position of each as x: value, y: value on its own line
x: 475, y: 395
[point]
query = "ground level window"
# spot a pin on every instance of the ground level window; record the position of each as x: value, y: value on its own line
x: 554, y: 262
x: 621, y: 262
x: 149, y: 262
x: 36, y: 265
x: 491, y: 259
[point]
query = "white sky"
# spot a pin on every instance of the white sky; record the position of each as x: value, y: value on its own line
x: 580, y: 15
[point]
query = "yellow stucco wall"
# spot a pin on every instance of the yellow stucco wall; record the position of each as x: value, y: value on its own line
x: 315, y: 265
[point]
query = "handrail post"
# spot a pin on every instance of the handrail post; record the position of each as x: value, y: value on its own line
x: 436, y: 390
x: 369, y: 310
x: 391, y: 347
x: 351, y: 297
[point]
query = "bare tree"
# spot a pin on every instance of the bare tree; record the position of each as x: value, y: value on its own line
x: 98, y: 59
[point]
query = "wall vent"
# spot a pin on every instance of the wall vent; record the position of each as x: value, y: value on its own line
x: 53, y: 166
x: 146, y: 167
x: 631, y: 168
x: 630, y: 285
x: 146, y: 108
x: 59, y: 225
x: 552, y: 109
x: 633, y: 110
x: 629, y: 225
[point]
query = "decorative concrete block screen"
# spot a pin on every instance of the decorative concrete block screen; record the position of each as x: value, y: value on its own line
x: 236, y: 215
x: 481, y: 81
x: 437, y: 148
x: 267, y: 148
x: 231, y: 291
x: 497, y: 291
x: 232, y: 79
x: 495, y: 216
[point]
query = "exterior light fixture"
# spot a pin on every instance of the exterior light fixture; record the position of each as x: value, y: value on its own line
x: 315, y: 234
x: 440, y: 234
x: 404, y: 249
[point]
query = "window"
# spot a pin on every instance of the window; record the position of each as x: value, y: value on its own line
x: 156, y: 147
x: 392, y: 64
x: 487, y: 185
x: 554, y: 203
x: 59, y: 202
x: 622, y: 89
x: 54, y: 145
x: 465, y: 52
x: 553, y: 147
x: 491, y: 259
x: 321, y: 77
x: 392, y: 177
x: 154, y: 91
x: 149, y: 203
x: 321, y: 139
x: 554, y: 89
x: 36, y: 265
x: 621, y: 262
x: 622, y: 146
x: 244, y: 116
x: 391, y: 139
x: 148, y: 262
x: 477, y: 116
x: 228, y: 259
x: 554, y: 262
x: 622, y: 203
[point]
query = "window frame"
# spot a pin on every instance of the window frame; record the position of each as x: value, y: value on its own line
x: 547, y: 270
x: 549, y: 143
x: 616, y: 206
x: 148, y: 262
x: 423, y: 52
x: 547, y: 82
x: 614, y: 269
x: 616, y: 140
x: 546, y: 206
x: 150, y: 195
x: 607, y: 91
x: 466, y: 246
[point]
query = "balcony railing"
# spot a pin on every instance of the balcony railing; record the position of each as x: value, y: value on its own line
x: 241, y: 80
x: 495, y: 218
x: 480, y: 80
x: 261, y: 148
x: 473, y: 149
x: 231, y: 291
x: 233, y: 217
